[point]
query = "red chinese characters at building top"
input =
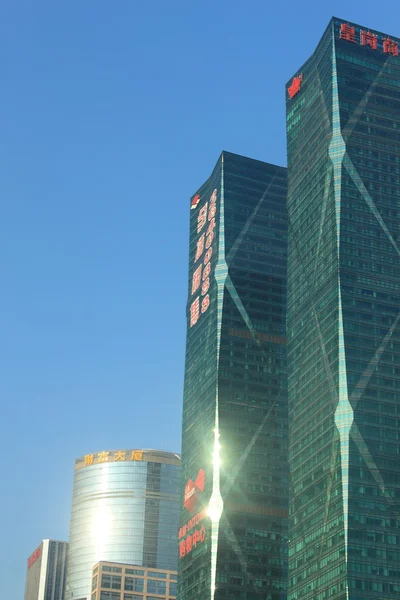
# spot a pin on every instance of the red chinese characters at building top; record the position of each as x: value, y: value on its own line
x: 367, y: 38
x: 347, y: 33
x: 295, y: 86
x: 390, y: 47
x: 202, y: 273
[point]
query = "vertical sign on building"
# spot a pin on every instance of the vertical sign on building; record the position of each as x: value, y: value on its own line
x: 202, y: 272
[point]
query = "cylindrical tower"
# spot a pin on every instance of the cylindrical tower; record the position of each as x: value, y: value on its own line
x: 125, y: 508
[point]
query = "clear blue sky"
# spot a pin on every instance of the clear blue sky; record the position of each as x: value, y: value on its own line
x: 112, y: 114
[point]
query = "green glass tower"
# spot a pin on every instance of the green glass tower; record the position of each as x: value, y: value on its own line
x: 343, y: 128
x: 233, y: 528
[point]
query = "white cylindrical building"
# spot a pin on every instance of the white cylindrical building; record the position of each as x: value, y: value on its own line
x: 125, y: 509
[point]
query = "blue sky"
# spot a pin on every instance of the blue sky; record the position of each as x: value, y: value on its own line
x: 112, y: 114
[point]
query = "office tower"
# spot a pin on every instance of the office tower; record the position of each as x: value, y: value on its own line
x: 125, y: 508
x: 233, y: 526
x: 343, y: 127
x: 47, y: 569
x: 116, y: 581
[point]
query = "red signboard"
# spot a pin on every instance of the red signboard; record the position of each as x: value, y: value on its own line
x: 192, y: 534
x: 34, y: 556
x: 347, y: 32
x: 193, y: 491
x: 194, y: 203
x: 369, y: 39
x: 295, y: 86
x: 197, y: 537
x: 390, y: 47
x: 192, y: 523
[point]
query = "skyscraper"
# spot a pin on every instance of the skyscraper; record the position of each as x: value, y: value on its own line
x: 343, y: 128
x: 47, y: 570
x: 233, y: 528
x: 125, y: 509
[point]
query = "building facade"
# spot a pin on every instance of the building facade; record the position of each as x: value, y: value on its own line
x: 47, y: 570
x: 343, y: 130
x: 115, y: 581
x: 233, y: 526
x: 125, y: 509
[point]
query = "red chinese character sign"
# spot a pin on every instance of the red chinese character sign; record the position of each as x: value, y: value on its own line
x: 367, y: 38
x: 194, y: 312
x: 390, y: 47
x: 347, y: 33
x: 193, y: 533
x: 197, y: 537
x: 295, y: 86
x: 201, y: 276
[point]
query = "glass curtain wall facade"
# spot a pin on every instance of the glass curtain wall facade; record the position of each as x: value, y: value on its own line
x: 125, y: 509
x: 233, y: 527
x: 343, y: 131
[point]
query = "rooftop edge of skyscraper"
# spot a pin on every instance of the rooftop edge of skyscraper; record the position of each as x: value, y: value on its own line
x: 338, y: 21
x: 126, y: 455
x: 235, y: 405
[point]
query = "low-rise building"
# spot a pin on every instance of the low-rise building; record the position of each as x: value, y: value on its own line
x: 116, y: 581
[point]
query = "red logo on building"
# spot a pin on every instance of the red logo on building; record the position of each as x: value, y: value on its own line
x: 295, y: 86
x: 193, y: 490
x: 194, y: 203
x: 34, y: 556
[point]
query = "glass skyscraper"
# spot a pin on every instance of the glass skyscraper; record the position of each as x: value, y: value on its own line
x: 125, y: 509
x: 343, y: 128
x: 233, y: 527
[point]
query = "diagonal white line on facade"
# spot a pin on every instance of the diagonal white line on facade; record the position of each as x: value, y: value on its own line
x: 344, y: 415
x: 366, y: 376
x: 232, y: 478
x: 239, y: 305
x: 352, y: 171
x: 239, y: 239
x: 358, y: 111
x: 239, y: 553
x: 328, y: 177
x: 367, y: 456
